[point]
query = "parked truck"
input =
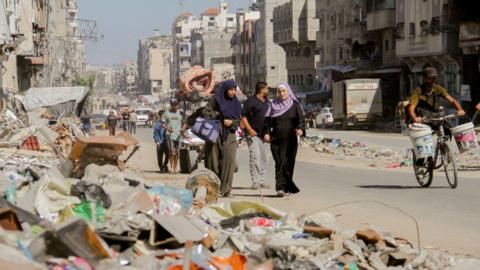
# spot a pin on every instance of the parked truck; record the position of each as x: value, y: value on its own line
x: 357, y: 102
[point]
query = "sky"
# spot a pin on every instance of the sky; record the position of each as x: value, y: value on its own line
x: 123, y: 22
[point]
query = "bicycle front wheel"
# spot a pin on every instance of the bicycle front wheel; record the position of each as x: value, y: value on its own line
x: 423, y: 172
x: 450, y: 165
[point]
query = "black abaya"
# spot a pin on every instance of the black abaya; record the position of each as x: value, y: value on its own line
x: 284, y: 146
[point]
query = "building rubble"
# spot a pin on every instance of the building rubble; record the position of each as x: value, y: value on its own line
x: 375, y: 156
x: 70, y: 202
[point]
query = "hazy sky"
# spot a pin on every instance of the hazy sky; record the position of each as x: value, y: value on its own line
x: 124, y: 22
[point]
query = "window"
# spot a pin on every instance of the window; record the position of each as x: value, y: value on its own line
x: 387, y: 45
x: 211, y: 24
x: 230, y: 19
x: 310, y: 80
x: 273, y: 67
x: 435, y: 26
x: 212, y: 18
x: 424, y: 28
x: 412, y: 29
x: 340, y: 53
x: 307, y: 52
x: 400, y: 31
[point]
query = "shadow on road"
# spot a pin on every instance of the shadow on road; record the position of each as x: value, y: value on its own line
x: 255, y: 195
x: 242, y: 188
x: 398, y: 187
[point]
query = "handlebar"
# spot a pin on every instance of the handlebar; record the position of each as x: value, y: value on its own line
x: 439, y: 119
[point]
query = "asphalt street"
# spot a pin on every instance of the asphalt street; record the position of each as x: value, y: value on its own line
x: 447, y: 219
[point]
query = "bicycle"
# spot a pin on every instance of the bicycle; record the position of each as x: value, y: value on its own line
x: 443, y: 152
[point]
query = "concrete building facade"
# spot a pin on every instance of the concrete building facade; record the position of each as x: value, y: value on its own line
x: 188, y: 32
x: 154, y: 65
x: 245, y: 50
x: 427, y: 35
x: 40, y: 45
x: 272, y: 59
x: 295, y: 28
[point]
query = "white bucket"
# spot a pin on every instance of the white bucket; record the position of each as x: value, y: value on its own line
x: 465, y: 137
x: 422, y: 141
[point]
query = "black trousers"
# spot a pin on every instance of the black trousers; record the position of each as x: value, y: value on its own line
x: 284, y: 152
x: 162, y: 156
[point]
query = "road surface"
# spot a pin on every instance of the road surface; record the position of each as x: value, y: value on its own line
x: 448, y: 219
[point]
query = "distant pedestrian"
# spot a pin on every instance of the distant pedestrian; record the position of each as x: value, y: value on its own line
x: 285, y: 122
x: 86, y: 120
x: 112, y: 123
x: 160, y: 137
x: 125, y: 120
x: 132, y: 124
x: 173, y: 121
x: 220, y: 157
x: 253, y: 120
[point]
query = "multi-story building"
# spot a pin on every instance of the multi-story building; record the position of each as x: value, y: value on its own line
x: 129, y: 82
x: 427, y: 35
x: 104, y: 77
x: 188, y: 32
x: 341, y: 40
x: 295, y: 28
x: 154, y: 65
x: 271, y: 60
x: 245, y: 50
x: 42, y: 41
x: 356, y: 40
x: 469, y: 42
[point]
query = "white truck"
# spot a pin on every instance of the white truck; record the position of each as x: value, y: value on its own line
x: 357, y: 102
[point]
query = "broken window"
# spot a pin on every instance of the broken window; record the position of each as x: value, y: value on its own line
x: 400, y: 31
x: 435, y: 25
x: 424, y: 28
x: 412, y: 29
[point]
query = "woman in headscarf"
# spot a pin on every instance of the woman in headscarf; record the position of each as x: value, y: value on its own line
x: 220, y: 156
x: 284, y: 123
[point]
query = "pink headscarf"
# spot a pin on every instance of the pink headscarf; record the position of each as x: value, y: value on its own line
x: 278, y: 106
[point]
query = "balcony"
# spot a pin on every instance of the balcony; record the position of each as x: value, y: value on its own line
x: 380, y: 19
x: 469, y: 34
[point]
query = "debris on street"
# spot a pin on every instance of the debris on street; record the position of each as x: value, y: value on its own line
x: 70, y: 202
x: 376, y: 156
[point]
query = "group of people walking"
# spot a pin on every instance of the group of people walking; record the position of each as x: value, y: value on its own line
x: 127, y: 121
x: 278, y: 123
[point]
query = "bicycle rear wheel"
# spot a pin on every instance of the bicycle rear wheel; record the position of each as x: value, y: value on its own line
x: 450, y: 165
x: 423, y: 173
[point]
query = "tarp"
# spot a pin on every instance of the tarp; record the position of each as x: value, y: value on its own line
x: 45, y: 97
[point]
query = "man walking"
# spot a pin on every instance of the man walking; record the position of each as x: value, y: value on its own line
x: 173, y: 120
x: 159, y: 135
x: 111, y: 123
x: 125, y: 120
x: 132, y: 125
x: 253, y: 118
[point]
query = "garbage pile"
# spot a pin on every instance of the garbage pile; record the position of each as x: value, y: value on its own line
x: 374, y: 156
x: 106, y: 221
x: 378, y: 157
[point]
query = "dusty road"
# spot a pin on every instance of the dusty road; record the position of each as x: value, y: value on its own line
x: 448, y: 219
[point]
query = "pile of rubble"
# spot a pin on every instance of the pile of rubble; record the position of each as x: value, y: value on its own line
x: 378, y: 157
x: 108, y: 219
x: 374, y: 156
x: 70, y: 202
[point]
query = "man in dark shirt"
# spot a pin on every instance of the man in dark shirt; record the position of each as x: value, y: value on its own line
x: 253, y: 119
x: 125, y: 120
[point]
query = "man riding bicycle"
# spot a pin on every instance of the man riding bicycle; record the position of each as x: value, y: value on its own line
x: 427, y: 96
